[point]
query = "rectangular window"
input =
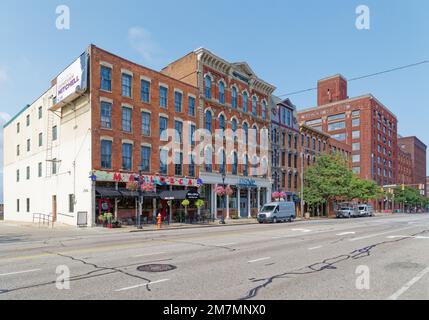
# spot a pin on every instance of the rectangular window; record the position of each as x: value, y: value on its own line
x: 356, y: 134
x: 126, y: 119
x: 17, y: 127
x: 313, y: 122
x: 356, y: 146
x: 191, y: 106
x: 28, y: 145
x: 355, y: 113
x: 163, y: 92
x: 54, y: 133
x: 28, y: 173
x: 17, y: 150
x: 28, y: 120
x: 28, y: 204
x: 71, y: 203
x: 177, y: 101
x: 356, y: 158
x: 17, y: 205
x: 126, y: 85
x: 40, y: 112
x: 337, y: 117
x: 192, y: 129
x: 163, y: 164
x: 356, y: 170
x: 106, y: 79
x: 339, y: 136
x: 54, y: 166
x: 336, y: 126
x: 191, y: 171
x: 145, y: 91
x: 106, y: 154
x: 163, y: 128
x: 145, y: 159
x: 17, y: 175
x: 39, y: 170
x: 127, y: 149
x: 146, y: 123
x: 40, y: 139
x: 178, y: 126
x: 106, y: 115
x: 178, y: 160
x: 356, y: 122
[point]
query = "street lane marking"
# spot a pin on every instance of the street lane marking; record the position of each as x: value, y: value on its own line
x: 141, y: 285
x: 302, y: 230
x: 260, y: 259
x: 148, y: 254
x: 409, y: 284
x: 227, y: 244
x: 345, y: 233
x: 314, y: 248
x: 19, y: 272
x: 414, y: 237
x: 379, y: 234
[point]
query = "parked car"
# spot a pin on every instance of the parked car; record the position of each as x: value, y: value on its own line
x: 347, y: 212
x: 277, y: 212
x: 366, y: 210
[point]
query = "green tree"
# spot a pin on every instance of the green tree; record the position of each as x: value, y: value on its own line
x: 329, y: 179
x: 363, y: 190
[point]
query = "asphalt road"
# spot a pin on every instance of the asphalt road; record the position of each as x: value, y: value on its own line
x: 366, y: 258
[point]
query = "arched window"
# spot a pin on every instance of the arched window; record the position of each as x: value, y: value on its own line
x: 254, y: 166
x: 208, y: 87
x: 246, y: 166
x: 234, y: 125
x: 222, y: 162
x: 254, y: 135
x: 246, y: 133
x: 234, y: 97
x: 222, y: 122
x: 254, y: 105
x: 208, y: 120
x: 245, y: 101
x: 208, y: 159
x: 264, y: 110
x: 221, y: 92
x: 235, y: 164
x: 264, y: 167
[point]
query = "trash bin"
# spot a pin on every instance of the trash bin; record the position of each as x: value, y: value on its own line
x: 307, y: 215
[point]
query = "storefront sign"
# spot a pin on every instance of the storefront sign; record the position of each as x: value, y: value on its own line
x: 73, y: 79
x: 192, y: 195
x: 159, y: 180
x: 247, y: 182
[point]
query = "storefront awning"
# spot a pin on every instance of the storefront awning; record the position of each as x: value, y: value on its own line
x: 107, y: 192
x: 128, y: 193
x: 173, y: 195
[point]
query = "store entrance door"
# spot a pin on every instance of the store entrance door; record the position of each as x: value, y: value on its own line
x: 243, y: 205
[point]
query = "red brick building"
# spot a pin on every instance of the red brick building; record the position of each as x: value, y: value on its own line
x: 363, y: 123
x: 231, y: 97
x: 405, y: 166
x: 132, y: 106
x: 417, y: 150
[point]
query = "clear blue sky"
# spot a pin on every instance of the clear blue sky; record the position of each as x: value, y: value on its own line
x: 290, y: 44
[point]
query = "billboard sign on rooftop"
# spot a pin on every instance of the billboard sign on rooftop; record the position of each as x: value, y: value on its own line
x: 73, y: 80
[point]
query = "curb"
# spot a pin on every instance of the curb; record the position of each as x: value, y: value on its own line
x: 193, y: 227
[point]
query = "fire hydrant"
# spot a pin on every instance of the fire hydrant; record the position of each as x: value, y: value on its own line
x: 158, y: 221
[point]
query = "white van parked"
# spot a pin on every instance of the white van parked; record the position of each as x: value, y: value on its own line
x: 277, y: 212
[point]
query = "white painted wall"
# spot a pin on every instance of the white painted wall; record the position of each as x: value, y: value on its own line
x: 73, y: 145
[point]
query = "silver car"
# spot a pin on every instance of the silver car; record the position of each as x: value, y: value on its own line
x: 347, y: 212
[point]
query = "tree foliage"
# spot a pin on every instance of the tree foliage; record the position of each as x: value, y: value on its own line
x: 331, y: 179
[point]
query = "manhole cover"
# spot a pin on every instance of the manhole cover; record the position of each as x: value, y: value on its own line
x: 156, y: 267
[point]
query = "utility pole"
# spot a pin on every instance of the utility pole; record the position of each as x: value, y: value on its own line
x: 302, y: 185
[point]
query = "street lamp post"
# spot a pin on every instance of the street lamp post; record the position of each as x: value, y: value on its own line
x: 140, y: 191
x: 302, y: 185
x: 222, y: 221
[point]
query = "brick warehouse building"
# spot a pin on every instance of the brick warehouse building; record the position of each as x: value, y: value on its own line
x: 231, y: 97
x: 99, y: 125
x: 417, y: 150
x: 405, y: 166
x: 363, y: 123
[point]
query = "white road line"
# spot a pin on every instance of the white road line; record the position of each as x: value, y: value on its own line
x: 414, y: 237
x: 314, y: 248
x: 379, y: 234
x: 345, y: 233
x: 408, y: 285
x: 141, y: 285
x: 18, y: 272
x: 260, y: 259
x: 148, y: 254
x: 227, y: 244
x: 302, y: 230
